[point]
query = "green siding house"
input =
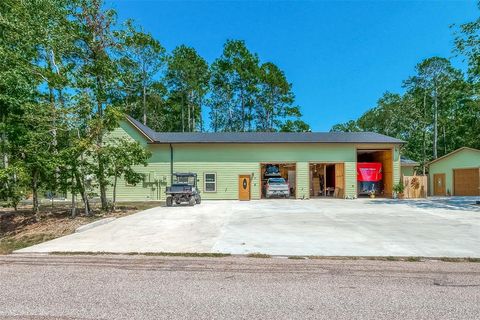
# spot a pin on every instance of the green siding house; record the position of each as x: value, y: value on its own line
x: 457, y: 173
x: 314, y: 164
x: 408, y: 166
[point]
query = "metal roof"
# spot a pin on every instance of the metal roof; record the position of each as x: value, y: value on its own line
x: 262, y: 137
x: 408, y: 162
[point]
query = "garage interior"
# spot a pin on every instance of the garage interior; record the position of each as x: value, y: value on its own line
x: 385, y: 157
x: 466, y: 182
x: 288, y: 171
x: 327, y: 180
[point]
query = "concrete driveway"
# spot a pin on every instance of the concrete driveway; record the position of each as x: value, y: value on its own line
x: 363, y: 227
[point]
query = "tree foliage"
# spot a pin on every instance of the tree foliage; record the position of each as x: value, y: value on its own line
x: 69, y: 72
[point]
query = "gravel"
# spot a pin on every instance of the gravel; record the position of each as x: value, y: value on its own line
x: 140, y: 287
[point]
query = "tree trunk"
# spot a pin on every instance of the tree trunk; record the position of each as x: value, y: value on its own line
x: 74, y: 207
x: 103, y: 189
x: 243, y: 111
x: 183, y: 113
x: 200, y: 113
x: 193, y: 115
x: 101, y: 168
x: 4, y: 144
x: 81, y: 184
x: 83, y: 193
x: 188, y: 116
x: 36, y: 208
x: 435, y: 125
x: 144, y: 105
x: 444, y: 141
x: 424, y: 151
x: 114, y: 194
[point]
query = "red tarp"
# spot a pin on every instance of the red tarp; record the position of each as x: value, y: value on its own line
x: 369, y: 171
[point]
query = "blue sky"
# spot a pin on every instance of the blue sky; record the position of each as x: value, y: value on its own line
x: 340, y: 56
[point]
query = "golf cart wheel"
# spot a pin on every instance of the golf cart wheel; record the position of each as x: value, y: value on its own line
x: 198, y: 200
x: 169, y: 201
x: 191, y: 202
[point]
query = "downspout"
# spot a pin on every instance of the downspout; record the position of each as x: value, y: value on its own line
x: 171, y: 163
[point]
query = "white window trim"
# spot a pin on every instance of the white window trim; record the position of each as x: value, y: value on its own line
x: 205, y: 182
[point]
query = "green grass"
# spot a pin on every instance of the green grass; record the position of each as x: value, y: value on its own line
x: 10, y: 244
x: 160, y: 254
x: 296, y: 258
x: 477, y: 260
x: 413, y: 259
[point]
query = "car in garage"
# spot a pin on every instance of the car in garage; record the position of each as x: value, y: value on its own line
x: 276, y: 187
x: 272, y: 171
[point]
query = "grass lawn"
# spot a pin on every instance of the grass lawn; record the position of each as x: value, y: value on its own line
x: 19, y: 229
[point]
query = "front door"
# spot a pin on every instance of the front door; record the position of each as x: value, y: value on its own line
x: 439, y: 184
x: 244, y: 187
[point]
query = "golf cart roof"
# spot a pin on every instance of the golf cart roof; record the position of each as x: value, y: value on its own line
x: 184, y: 174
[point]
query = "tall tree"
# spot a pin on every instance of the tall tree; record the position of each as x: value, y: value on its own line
x: 98, y: 77
x: 438, y: 77
x: 142, y: 58
x: 235, y: 76
x: 37, y: 43
x: 275, y: 100
x: 467, y: 43
x: 187, y: 78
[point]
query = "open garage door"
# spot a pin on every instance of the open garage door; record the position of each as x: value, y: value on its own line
x: 466, y: 182
x: 327, y: 180
x: 384, y: 187
x: 278, y: 180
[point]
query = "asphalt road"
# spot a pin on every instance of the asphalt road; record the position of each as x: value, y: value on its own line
x: 136, y: 287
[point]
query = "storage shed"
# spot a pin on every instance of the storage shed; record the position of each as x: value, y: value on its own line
x: 456, y: 173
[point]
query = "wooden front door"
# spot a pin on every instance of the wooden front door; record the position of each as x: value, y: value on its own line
x: 439, y: 184
x: 244, y: 187
x: 339, y: 180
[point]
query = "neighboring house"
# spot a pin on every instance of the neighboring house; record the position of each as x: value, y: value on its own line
x: 233, y: 165
x: 457, y: 173
x: 408, y: 167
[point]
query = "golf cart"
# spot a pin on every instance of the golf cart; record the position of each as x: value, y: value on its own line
x: 183, y: 189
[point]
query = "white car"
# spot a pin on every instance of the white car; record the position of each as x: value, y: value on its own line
x: 277, y: 187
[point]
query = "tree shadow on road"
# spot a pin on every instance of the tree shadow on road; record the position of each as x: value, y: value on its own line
x: 447, y: 203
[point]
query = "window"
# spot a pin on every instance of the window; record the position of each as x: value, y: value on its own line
x: 210, y: 182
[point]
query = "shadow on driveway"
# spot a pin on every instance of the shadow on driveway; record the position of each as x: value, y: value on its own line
x: 448, y: 203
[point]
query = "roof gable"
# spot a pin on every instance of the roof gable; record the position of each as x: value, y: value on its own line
x: 453, y: 153
x: 143, y: 129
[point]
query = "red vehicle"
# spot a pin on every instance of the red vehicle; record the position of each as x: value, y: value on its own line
x: 369, y: 177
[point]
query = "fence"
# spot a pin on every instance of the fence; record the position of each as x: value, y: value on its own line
x: 415, y: 187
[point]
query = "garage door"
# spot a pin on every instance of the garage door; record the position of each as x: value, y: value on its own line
x: 466, y: 182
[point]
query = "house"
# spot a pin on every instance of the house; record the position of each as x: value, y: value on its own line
x: 408, y: 166
x: 456, y: 173
x: 314, y: 163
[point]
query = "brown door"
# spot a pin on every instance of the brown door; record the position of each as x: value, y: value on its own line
x: 439, y: 184
x: 466, y: 182
x: 339, y: 180
x: 244, y: 187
